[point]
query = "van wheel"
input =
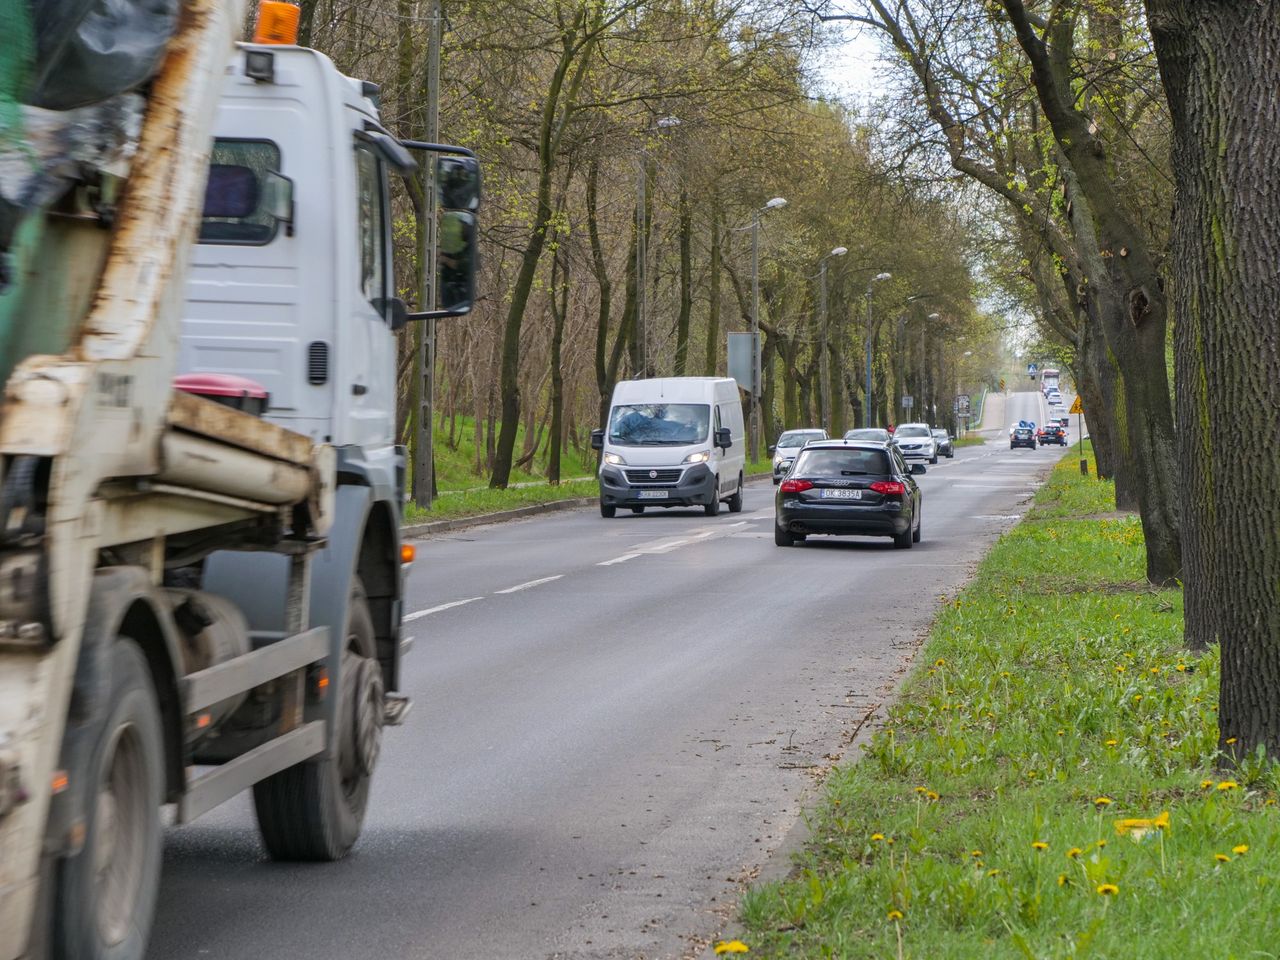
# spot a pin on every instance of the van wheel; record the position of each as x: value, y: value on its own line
x: 712, y: 509
x: 104, y: 898
x: 315, y: 809
x: 637, y: 510
x: 607, y: 511
x: 735, y: 502
x: 782, y: 538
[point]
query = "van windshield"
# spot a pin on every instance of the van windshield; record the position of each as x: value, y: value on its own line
x: 645, y: 424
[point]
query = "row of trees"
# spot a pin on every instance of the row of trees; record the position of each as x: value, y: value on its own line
x: 1085, y: 123
x: 627, y: 146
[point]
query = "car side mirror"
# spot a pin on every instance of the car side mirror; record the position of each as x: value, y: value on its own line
x: 724, y: 439
x: 597, y: 439
x: 917, y: 468
x: 772, y: 448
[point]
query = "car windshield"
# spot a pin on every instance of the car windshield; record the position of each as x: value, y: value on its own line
x: 823, y: 463
x: 658, y: 424
x: 798, y: 438
x: 867, y: 433
x: 913, y: 432
x: 940, y: 434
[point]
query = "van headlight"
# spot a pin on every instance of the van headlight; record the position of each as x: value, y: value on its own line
x: 614, y: 460
x: 702, y: 456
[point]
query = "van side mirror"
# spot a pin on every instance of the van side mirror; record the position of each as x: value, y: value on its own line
x: 458, y: 183
x: 597, y: 439
x: 394, y: 310
x: 455, y: 261
x: 724, y: 439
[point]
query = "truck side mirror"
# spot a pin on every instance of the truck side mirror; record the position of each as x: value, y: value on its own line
x: 277, y: 199
x: 456, y: 256
x: 597, y: 439
x: 724, y: 439
x: 458, y: 183
x: 395, y: 310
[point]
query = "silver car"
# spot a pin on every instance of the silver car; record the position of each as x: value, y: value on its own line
x: 915, y: 442
x: 789, y: 444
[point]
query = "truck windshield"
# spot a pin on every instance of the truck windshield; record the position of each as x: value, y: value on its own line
x: 234, y: 211
x: 644, y: 424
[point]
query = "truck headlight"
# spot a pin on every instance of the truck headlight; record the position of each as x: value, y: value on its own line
x: 702, y: 456
x: 614, y: 460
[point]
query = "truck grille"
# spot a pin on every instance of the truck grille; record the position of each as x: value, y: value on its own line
x: 669, y: 476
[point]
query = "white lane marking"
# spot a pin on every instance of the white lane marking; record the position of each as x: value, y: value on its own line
x: 444, y: 606
x: 991, y: 486
x: 532, y: 583
x: 666, y: 547
x: 622, y: 559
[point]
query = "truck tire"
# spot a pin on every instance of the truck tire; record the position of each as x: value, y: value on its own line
x: 712, y: 509
x: 607, y: 512
x: 105, y: 896
x: 314, y: 810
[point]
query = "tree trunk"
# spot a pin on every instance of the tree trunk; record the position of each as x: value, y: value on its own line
x: 712, y: 365
x: 686, y: 283
x: 559, y: 308
x: 1220, y: 72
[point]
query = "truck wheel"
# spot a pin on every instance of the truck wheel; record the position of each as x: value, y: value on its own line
x: 735, y: 502
x: 712, y: 509
x: 607, y: 512
x: 314, y: 810
x: 105, y: 896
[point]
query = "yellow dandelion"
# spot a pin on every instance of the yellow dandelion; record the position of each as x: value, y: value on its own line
x: 1181, y: 668
x: 1206, y: 784
x: 1112, y: 743
x: 1240, y: 849
x: 1222, y: 858
x: 1062, y: 879
x: 731, y: 946
x: 1231, y: 740
x: 877, y: 836
x: 1100, y: 844
x: 1162, y: 821
x: 1074, y: 852
x: 895, y: 915
x: 931, y: 794
x: 1062, y: 733
x: 889, y: 841
x: 1120, y: 668
x: 1155, y: 669
x: 1270, y: 802
x: 939, y: 662
x: 993, y: 871
x: 1006, y: 674
x: 1228, y: 785
x: 1039, y: 845
x: 921, y: 789
x: 1108, y: 889
x: 1137, y: 698
x: 975, y: 853
x: 1102, y: 801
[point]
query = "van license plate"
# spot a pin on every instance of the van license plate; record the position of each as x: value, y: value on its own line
x: 841, y: 494
x: 654, y: 494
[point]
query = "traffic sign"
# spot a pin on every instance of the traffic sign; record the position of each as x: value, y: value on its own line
x: 962, y: 404
x: 1032, y: 368
x: 1077, y: 407
x: 908, y: 402
x: 1002, y: 385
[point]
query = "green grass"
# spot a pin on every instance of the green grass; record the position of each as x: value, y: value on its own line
x: 1053, y: 683
x: 453, y: 504
x: 969, y: 441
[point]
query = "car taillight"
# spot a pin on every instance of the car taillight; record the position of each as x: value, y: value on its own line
x: 890, y: 488
x: 796, y: 486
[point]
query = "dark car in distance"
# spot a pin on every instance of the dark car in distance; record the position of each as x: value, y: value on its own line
x: 945, y: 442
x: 849, y: 488
x: 1022, y: 437
x: 1052, y: 433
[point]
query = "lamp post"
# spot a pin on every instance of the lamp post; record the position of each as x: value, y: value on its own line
x: 824, y: 362
x: 924, y: 363
x: 866, y: 405
x: 775, y: 204
x: 642, y: 245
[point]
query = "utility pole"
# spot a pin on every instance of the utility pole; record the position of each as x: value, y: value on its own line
x: 642, y: 260
x: 756, y: 378
x: 824, y: 367
x: 866, y: 403
x: 425, y: 362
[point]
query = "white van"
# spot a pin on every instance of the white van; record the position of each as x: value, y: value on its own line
x: 672, y: 442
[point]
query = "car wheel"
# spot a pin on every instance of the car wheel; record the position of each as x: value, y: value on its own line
x: 782, y: 538
x: 607, y: 511
x: 735, y: 502
x: 903, y: 541
x: 915, y: 537
x: 637, y: 509
x: 951, y: 454
x: 1013, y: 446
x: 934, y: 459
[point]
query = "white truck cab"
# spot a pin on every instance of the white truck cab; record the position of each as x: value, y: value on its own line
x: 672, y: 442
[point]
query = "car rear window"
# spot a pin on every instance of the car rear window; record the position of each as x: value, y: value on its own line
x: 841, y: 463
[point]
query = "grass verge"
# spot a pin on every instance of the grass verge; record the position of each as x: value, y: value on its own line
x: 452, y: 504
x: 1047, y: 784
x: 969, y: 441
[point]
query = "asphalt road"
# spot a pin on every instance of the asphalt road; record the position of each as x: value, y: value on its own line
x: 616, y: 722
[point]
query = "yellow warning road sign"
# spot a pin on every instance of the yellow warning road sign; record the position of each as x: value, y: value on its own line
x: 1077, y: 407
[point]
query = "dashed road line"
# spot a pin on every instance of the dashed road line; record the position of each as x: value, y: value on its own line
x: 444, y: 606
x: 622, y: 559
x: 532, y: 583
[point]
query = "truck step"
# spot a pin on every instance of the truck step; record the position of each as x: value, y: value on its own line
x: 244, y: 771
x: 397, y: 707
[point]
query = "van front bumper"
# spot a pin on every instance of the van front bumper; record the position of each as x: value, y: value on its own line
x: 696, y: 487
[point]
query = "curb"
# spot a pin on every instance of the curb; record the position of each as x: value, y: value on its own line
x: 418, y: 531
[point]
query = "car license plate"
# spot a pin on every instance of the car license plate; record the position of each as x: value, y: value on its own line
x: 654, y: 494
x: 841, y: 494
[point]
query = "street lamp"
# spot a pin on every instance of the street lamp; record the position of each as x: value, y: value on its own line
x: 866, y: 406
x: 642, y: 244
x: 775, y: 204
x: 924, y: 363
x: 824, y: 363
